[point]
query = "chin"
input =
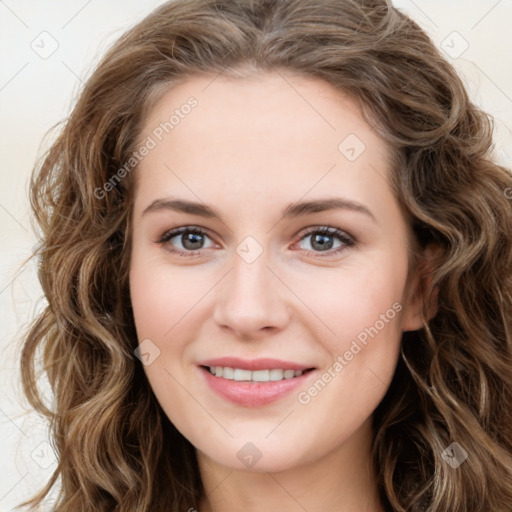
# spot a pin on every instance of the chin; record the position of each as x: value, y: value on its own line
x: 251, y: 459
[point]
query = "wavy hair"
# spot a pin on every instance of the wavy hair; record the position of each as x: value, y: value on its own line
x: 117, y: 450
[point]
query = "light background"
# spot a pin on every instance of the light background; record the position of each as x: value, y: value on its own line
x: 37, y: 90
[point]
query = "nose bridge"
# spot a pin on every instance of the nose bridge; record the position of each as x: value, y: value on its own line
x: 250, y: 299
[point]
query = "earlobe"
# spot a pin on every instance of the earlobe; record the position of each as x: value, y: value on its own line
x: 419, y: 308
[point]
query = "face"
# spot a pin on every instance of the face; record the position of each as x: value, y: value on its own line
x: 267, y: 242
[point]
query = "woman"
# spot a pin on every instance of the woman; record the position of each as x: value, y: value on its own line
x: 295, y: 145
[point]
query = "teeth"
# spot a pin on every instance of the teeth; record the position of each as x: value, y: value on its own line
x: 276, y: 374
x: 261, y: 375
x: 227, y: 373
x: 240, y: 374
x: 254, y: 376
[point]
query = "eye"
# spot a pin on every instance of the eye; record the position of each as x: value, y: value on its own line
x: 322, y: 240
x: 190, y: 238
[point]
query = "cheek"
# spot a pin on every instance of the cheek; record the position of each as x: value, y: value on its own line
x: 347, y: 302
x: 363, y: 357
x: 161, y: 299
x: 161, y: 295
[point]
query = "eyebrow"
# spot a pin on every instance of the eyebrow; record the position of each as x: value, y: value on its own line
x: 291, y: 211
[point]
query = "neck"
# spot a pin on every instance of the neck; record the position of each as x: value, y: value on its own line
x: 342, y: 480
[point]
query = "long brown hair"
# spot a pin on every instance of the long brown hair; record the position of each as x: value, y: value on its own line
x: 116, y: 448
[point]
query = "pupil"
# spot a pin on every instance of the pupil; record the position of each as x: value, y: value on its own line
x: 191, y: 238
x: 321, y: 241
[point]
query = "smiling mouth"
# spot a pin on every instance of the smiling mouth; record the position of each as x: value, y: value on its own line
x: 242, y: 375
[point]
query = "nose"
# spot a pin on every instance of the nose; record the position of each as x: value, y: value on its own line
x: 252, y: 300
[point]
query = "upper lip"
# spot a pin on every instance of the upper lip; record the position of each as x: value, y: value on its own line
x: 254, y: 364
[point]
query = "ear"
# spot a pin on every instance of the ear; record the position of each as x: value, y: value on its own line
x: 413, y: 318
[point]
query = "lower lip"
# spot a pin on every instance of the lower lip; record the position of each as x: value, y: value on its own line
x: 253, y: 394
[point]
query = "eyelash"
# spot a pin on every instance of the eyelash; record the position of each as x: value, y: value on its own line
x: 348, y: 241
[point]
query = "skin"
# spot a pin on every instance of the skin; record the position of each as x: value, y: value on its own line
x: 250, y: 148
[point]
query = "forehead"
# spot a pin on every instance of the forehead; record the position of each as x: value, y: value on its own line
x: 269, y: 132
